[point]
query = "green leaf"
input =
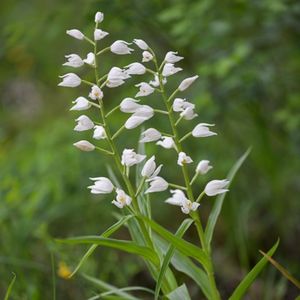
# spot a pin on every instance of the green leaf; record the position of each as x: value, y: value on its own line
x: 183, y: 246
x: 179, y: 294
x: 213, y: 217
x: 105, y: 234
x: 180, y: 232
x: 185, y: 265
x: 9, y: 289
x: 250, y: 277
x: 108, y: 287
x: 126, y: 246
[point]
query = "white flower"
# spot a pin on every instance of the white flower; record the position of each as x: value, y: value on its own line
x: 167, y: 142
x: 102, y: 185
x: 122, y: 199
x: 150, y: 135
x: 90, y: 59
x: 149, y: 170
x: 129, y: 105
x: 183, y: 159
x: 156, y: 83
x: 172, y: 58
x: 179, y: 199
x: 120, y: 47
x: 70, y: 80
x: 99, y: 16
x: 116, y: 77
x: 74, y: 61
x: 202, y: 130
x: 157, y: 184
x: 188, y: 113
x: 147, y: 56
x: 141, y: 44
x: 99, y: 132
x: 135, y: 69
x: 145, y: 89
x: 203, y: 167
x: 142, y: 114
x: 75, y: 33
x: 84, y: 146
x: 180, y: 105
x: 216, y: 187
x: 83, y: 123
x: 170, y: 69
x: 186, y: 83
x: 96, y: 93
x: 100, y: 34
x: 81, y: 104
x: 130, y: 158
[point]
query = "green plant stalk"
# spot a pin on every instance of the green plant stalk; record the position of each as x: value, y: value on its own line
x: 194, y: 215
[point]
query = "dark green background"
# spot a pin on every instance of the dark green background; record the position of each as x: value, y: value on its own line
x: 247, y: 56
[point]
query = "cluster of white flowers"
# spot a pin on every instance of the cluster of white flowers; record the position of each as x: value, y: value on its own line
x: 140, y: 113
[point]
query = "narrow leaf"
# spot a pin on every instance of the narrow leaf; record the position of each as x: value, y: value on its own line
x: 105, y: 234
x: 126, y: 246
x: 250, y: 277
x: 213, y: 217
x: 180, y: 232
x: 179, y: 294
x: 281, y: 269
x: 9, y: 289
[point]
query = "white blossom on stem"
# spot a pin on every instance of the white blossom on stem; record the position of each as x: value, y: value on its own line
x: 188, y: 206
x: 216, y: 187
x: 142, y: 114
x: 170, y: 69
x: 100, y: 34
x: 157, y: 184
x: 99, y: 132
x: 188, y: 113
x: 135, y: 69
x: 83, y: 123
x: 147, y: 56
x: 120, y: 47
x: 150, y: 135
x: 203, y: 167
x: 129, y: 105
x: 102, y: 185
x: 141, y: 44
x: 90, y: 59
x: 172, y: 57
x: 130, y: 158
x: 202, y: 130
x: 179, y: 105
x: 183, y: 159
x: 156, y: 82
x: 70, y: 80
x: 75, y: 33
x: 116, y: 77
x: 186, y: 83
x: 74, y: 61
x: 96, y: 93
x: 81, y: 103
x: 149, y: 170
x: 166, y: 142
x: 179, y: 199
x: 84, y: 146
x: 145, y: 89
x: 122, y: 199
x: 99, y: 16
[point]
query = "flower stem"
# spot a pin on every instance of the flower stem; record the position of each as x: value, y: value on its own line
x: 185, y: 137
x: 118, y: 132
x: 176, y: 186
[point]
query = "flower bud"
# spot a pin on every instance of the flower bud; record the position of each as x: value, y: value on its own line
x: 99, y: 16
x: 216, y: 187
x: 202, y: 130
x: 74, y: 61
x: 141, y: 44
x: 84, y: 123
x: 135, y: 69
x: 149, y: 167
x: 99, y: 133
x: 81, y: 104
x: 120, y: 47
x: 116, y: 77
x: 129, y: 105
x: 186, y: 83
x: 167, y: 142
x: 142, y: 114
x: 188, y: 113
x: 90, y: 59
x: 102, y: 185
x: 170, y: 69
x: 84, y: 146
x: 183, y: 159
x: 145, y: 89
x: 157, y: 184
x: 203, y: 167
x: 150, y: 135
x: 130, y: 158
x: 75, y: 33
x: 147, y: 56
x: 172, y: 58
x: 70, y: 80
x: 100, y: 34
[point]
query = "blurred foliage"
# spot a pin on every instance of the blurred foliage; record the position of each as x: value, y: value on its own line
x: 247, y: 56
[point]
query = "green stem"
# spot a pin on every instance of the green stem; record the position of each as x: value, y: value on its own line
x: 194, y: 178
x: 118, y: 132
x: 161, y: 111
x: 185, y: 137
x: 105, y: 151
x: 139, y: 189
x: 88, y: 82
x: 176, y: 186
x: 103, y: 51
x: 112, y: 111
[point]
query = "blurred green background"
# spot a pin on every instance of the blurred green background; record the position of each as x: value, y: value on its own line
x: 247, y: 56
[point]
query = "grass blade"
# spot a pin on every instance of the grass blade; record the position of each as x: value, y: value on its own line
x: 180, y: 232
x: 126, y: 246
x: 250, y: 277
x: 179, y: 294
x: 9, y: 289
x: 213, y: 217
x: 105, y: 234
